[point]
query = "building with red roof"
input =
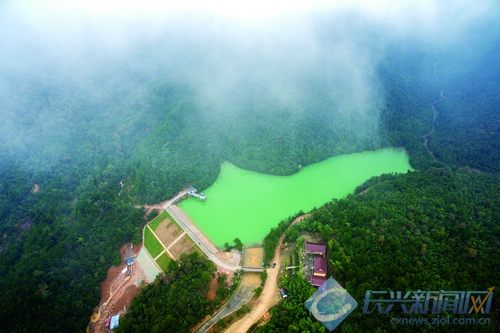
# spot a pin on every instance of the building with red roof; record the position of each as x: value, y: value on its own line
x: 319, y: 266
x: 317, y: 281
x: 316, y: 248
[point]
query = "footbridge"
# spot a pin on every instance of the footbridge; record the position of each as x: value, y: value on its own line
x: 248, y: 269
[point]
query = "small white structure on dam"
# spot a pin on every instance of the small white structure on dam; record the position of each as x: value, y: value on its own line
x: 192, y: 191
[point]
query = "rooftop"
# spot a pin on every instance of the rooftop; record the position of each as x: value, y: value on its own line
x: 315, y: 247
x: 320, y: 266
x: 115, y: 320
x: 317, y: 281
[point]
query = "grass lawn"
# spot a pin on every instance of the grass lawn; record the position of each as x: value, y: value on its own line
x: 163, y: 261
x: 151, y: 243
x: 159, y: 219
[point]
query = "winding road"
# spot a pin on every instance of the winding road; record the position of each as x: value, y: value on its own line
x: 426, y: 135
x: 270, y: 296
x: 239, y: 298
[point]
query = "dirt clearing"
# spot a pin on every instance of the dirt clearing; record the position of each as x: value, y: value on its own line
x: 117, y: 291
x: 168, y: 231
x: 251, y: 280
x: 270, y: 296
x: 35, y: 188
x: 253, y: 257
x: 183, y: 245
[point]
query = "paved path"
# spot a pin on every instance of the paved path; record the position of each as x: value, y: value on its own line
x: 270, y: 296
x: 195, y: 234
x: 176, y: 240
x: 252, y: 269
x: 239, y: 298
x: 190, y: 228
x: 165, y: 249
x: 174, y: 199
x: 147, y: 264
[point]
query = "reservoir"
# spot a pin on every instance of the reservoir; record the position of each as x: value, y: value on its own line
x: 246, y: 204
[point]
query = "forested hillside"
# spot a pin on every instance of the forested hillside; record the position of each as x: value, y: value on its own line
x: 468, y: 125
x: 55, y: 251
x: 176, y: 301
x: 85, y: 110
x: 432, y: 230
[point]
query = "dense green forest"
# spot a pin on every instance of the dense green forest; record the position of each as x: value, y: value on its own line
x: 432, y: 230
x: 176, y: 301
x: 55, y: 253
x: 75, y: 125
x: 468, y: 126
x: 291, y: 315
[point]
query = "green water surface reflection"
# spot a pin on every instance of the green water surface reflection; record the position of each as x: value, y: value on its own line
x: 247, y: 204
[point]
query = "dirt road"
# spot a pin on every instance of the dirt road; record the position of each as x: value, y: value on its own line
x: 117, y: 291
x: 270, y: 296
x: 241, y: 296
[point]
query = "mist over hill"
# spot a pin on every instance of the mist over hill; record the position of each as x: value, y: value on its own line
x: 266, y: 91
x: 95, y: 93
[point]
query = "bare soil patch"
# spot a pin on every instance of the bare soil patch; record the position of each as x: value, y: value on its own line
x: 168, y: 231
x: 118, y: 290
x: 213, y: 288
x: 266, y: 318
x: 253, y: 257
x: 251, y: 280
x: 270, y: 295
x: 113, y: 272
x: 300, y: 218
x: 309, y: 237
x: 183, y: 245
x: 129, y: 293
x: 232, y: 258
x: 149, y: 209
x: 230, y: 274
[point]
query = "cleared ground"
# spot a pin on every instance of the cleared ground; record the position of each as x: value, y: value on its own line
x: 253, y: 257
x: 242, y: 295
x: 270, y: 294
x: 251, y: 280
x: 159, y: 219
x: 165, y: 240
x: 168, y: 231
x: 269, y: 297
x: 117, y: 291
x: 183, y: 245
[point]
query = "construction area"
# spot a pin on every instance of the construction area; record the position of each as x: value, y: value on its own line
x: 122, y: 284
x: 165, y: 239
x: 252, y: 257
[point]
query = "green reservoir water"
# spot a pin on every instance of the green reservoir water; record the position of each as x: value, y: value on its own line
x: 247, y: 204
